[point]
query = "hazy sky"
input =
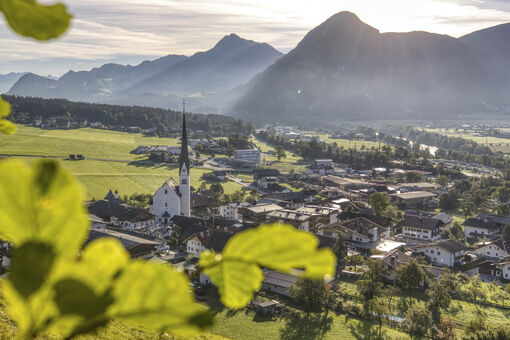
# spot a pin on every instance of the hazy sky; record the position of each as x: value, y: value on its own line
x: 130, y: 31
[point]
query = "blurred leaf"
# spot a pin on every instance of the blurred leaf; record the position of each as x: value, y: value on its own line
x: 31, y: 19
x: 41, y: 203
x: 74, y: 297
x: 276, y: 246
x: 236, y: 281
x: 159, y: 297
x: 30, y: 267
x: 5, y: 125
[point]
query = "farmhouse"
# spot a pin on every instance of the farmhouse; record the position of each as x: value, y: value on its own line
x: 497, y: 249
x: 414, y: 198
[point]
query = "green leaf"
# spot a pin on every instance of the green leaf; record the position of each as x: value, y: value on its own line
x: 30, y: 267
x: 5, y: 108
x: 31, y: 19
x: 42, y: 203
x: 276, y: 246
x: 5, y: 125
x: 159, y: 297
x: 75, y: 297
x: 236, y: 281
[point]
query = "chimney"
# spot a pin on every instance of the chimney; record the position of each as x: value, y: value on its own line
x: 393, y: 261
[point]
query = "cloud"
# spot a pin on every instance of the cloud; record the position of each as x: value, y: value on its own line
x: 129, y: 31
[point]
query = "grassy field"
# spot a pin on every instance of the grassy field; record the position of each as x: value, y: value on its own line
x: 291, y: 162
x: 246, y: 324
x: 346, y: 143
x: 495, y: 143
x: 127, y: 174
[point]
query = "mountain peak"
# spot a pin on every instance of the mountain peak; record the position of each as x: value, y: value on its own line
x: 233, y: 41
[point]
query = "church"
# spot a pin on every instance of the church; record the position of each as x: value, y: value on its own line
x: 171, y: 198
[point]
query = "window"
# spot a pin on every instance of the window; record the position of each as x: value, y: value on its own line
x: 438, y: 253
x: 184, y: 181
x: 166, y: 204
x: 166, y: 192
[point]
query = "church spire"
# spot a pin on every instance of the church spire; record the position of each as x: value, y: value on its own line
x: 184, y: 158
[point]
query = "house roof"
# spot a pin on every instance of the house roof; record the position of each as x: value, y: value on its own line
x: 396, y: 258
x: 128, y: 241
x: 325, y: 241
x: 414, y: 195
x: 292, y: 215
x: 293, y: 196
x: 266, y: 173
x: 451, y: 246
x: 121, y: 211
x: 480, y: 223
x: 263, y: 208
x: 500, y: 242
x: 278, y: 279
x: 421, y: 222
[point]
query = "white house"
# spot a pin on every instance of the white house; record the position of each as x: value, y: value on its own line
x: 421, y: 227
x: 495, y: 249
x: 231, y: 211
x: 172, y: 199
x: 446, y: 253
x: 505, y: 269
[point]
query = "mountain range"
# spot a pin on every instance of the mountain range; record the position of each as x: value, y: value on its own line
x: 342, y: 69
x: 9, y: 79
x: 346, y: 69
x: 231, y: 62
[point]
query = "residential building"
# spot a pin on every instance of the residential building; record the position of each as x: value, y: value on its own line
x: 497, y: 249
x: 485, y: 226
x: 414, y: 199
x: 137, y: 246
x: 210, y: 239
x: 300, y: 220
x: 447, y: 253
x: 231, y: 211
x: 421, y: 227
x: 257, y: 213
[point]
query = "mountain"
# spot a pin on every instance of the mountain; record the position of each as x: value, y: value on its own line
x: 7, y: 80
x: 495, y: 40
x: 96, y: 85
x: 231, y: 62
x: 346, y: 69
x: 208, y: 78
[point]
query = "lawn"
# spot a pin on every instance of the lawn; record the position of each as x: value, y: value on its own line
x: 246, y: 324
x: 495, y: 143
x: 127, y: 175
x: 92, y: 143
x: 287, y: 164
x: 347, y: 144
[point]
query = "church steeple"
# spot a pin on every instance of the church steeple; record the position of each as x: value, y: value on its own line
x: 184, y: 158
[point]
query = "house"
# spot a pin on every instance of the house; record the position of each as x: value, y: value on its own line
x: 485, y: 225
x: 421, y: 186
x: 504, y: 268
x: 446, y: 253
x: 266, y: 178
x: 413, y: 199
x: 444, y: 217
x: 497, y: 249
x: 276, y: 282
x: 346, y: 184
x: 361, y: 224
x: 421, y: 227
x: 137, y: 247
x: 172, y: 199
x: 115, y: 211
x: 290, y: 200
x: 393, y: 260
x: 324, y: 162
x: 210, y: 239
x: 326, y: 215
x: 257, y: 213
x: 231, y: 211
x: 362, y: 235
x: 300, y: 220
x: 249, y: 155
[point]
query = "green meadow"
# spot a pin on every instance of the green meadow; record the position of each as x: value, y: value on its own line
x: 117, y: 168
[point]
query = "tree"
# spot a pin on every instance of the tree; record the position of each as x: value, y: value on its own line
x: 438, y: 298
x: 379, y: 309
x: 230, y: 151
x: 442, y: 180
x: 355, y: 260
x: 475, y: 290
x: 340, y: 251
x: 502, y: 194
x: 370, y: 284
x: 468, y: 208
x: 217, y: 188
x: 280, y: 152
x: 378, y: 202
x: 449, y: 201
x: 411, y: 275
x: 417, y: 320
x: 310, y: 294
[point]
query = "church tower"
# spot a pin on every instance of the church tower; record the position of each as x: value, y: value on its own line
x: 184, y: 169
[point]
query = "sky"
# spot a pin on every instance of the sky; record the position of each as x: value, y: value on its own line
x: 130, y: 31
